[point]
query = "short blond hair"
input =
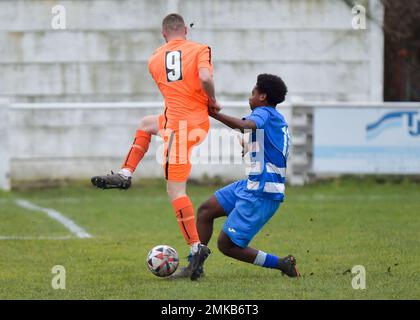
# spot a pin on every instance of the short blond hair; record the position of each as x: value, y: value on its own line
x: 173, y: 22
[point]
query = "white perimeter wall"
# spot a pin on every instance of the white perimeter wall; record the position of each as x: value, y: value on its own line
x: 102, y: 55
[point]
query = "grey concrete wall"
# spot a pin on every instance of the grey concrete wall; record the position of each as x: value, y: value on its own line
x: 55, y: 142
x: 102, y: 55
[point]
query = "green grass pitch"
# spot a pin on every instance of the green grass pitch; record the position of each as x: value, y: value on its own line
x: 330, y: 227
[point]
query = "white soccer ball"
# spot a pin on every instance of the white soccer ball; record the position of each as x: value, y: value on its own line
x: 162, y: 260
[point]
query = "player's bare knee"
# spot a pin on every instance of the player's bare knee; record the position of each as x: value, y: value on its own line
x: 174, y: 194
x: 143, y: 125
x: 175, y: 191
x: 148, y: 124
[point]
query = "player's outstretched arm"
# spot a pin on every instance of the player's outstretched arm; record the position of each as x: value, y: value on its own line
x: 234, y: 123
x: 207, y: 84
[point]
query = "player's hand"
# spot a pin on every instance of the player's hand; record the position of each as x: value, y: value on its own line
x: 212, y: 113
x: 243, y: 144
x: 214, y: 107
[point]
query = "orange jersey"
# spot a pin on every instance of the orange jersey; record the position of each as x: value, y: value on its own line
x: 174, y: 67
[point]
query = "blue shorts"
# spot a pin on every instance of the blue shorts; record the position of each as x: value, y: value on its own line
x: 247, y: 213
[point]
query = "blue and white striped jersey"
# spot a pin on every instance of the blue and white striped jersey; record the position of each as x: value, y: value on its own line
x: 269, y: 149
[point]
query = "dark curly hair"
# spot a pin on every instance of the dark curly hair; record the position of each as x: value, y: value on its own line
x: 273, y: 86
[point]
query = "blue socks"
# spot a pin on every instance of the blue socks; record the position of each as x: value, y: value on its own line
x: 266, y: 260
x: 271, y: 261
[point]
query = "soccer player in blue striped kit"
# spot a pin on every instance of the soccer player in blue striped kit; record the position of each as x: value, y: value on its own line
x: 249, y: 204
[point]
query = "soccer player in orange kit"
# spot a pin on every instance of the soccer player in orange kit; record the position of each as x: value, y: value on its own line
x: 183, y: 71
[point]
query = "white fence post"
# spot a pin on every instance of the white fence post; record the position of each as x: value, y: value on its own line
x: 301, y: 159
x: 4, y: 145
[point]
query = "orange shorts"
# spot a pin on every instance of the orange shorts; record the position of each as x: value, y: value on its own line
x: 178, y: 144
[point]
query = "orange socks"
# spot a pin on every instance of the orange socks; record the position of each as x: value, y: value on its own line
x: 186, y: 220
x: 137, y: 151
x: 183, y: 207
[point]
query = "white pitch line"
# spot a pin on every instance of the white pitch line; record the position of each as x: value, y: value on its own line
x: 53, y: 214
x: 35, y: 238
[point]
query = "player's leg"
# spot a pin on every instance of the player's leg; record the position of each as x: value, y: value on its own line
x: 177, y: 167
x: 250, y: 255
x: 220, y: 204
x: 177, y: 170
x: 243, y: 223
x: 149, y: 125
x: 184, y: 212
x: 228, y: 248
x: 207, y: 212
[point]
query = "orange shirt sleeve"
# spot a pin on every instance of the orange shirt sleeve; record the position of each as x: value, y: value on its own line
x: 204, y: 59
x: 150, y: 66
